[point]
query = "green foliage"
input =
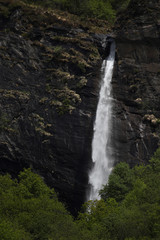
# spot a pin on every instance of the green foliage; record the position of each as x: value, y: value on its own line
x: 58, y: 51
x: 155, y: 162
x: 120, y: 182
x: 9, y: 231
x: 98, y: 9
x: 4, y: 121
x: 8, y: 6
x: 101, y: 9
x: 129, y: 208
x: 133, y: 212
x: 119, y: 4
x: 30, y: 210
x: 95, y: 217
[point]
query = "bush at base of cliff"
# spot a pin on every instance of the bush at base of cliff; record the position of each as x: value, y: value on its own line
x: 120, y: 182
x: 9, y: 231
x: 30, y: 210
x: 136, y: 213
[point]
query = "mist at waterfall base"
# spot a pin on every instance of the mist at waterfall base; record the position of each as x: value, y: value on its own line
x: 101, y: 144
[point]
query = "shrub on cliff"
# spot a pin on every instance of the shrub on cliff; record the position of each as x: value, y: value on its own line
x: 101, y: 9
x: 119, y: 4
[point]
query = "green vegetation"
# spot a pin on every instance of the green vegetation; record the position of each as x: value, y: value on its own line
x: 120, y: 183
x: 64, y: 61
x: 4, y: 121
x: 102, y: 9
x: 130, y: 205
x: 129, y: 208
x: 9, y: 6
x: 29, y: 210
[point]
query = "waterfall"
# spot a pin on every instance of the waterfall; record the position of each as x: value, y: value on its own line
x: 101, y: 143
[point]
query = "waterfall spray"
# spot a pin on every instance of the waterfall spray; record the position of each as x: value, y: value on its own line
x: 101, y: 147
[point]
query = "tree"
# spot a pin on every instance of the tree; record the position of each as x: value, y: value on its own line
x: 31, y: 209
x: 120, y: 182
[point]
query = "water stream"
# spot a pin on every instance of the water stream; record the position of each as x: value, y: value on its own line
x: 101, y: 147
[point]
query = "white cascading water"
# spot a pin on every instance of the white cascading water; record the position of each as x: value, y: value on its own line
x: 101, y: 148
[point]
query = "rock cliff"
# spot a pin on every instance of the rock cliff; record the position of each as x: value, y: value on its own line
x: 50, y: 70
x: 136, y: 82
x: 50, y: 65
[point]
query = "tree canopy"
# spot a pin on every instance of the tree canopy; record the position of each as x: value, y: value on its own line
x: 130, y: 204
x: 29, y: 210
x: 128, y: 210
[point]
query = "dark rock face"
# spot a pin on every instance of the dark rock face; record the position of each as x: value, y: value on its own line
x: 136, y: 82
x: 49, y: 86
x: 48, y: 95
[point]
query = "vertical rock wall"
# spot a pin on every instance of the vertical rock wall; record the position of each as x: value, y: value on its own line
x: 136, y: 82
x: 49, y: 83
